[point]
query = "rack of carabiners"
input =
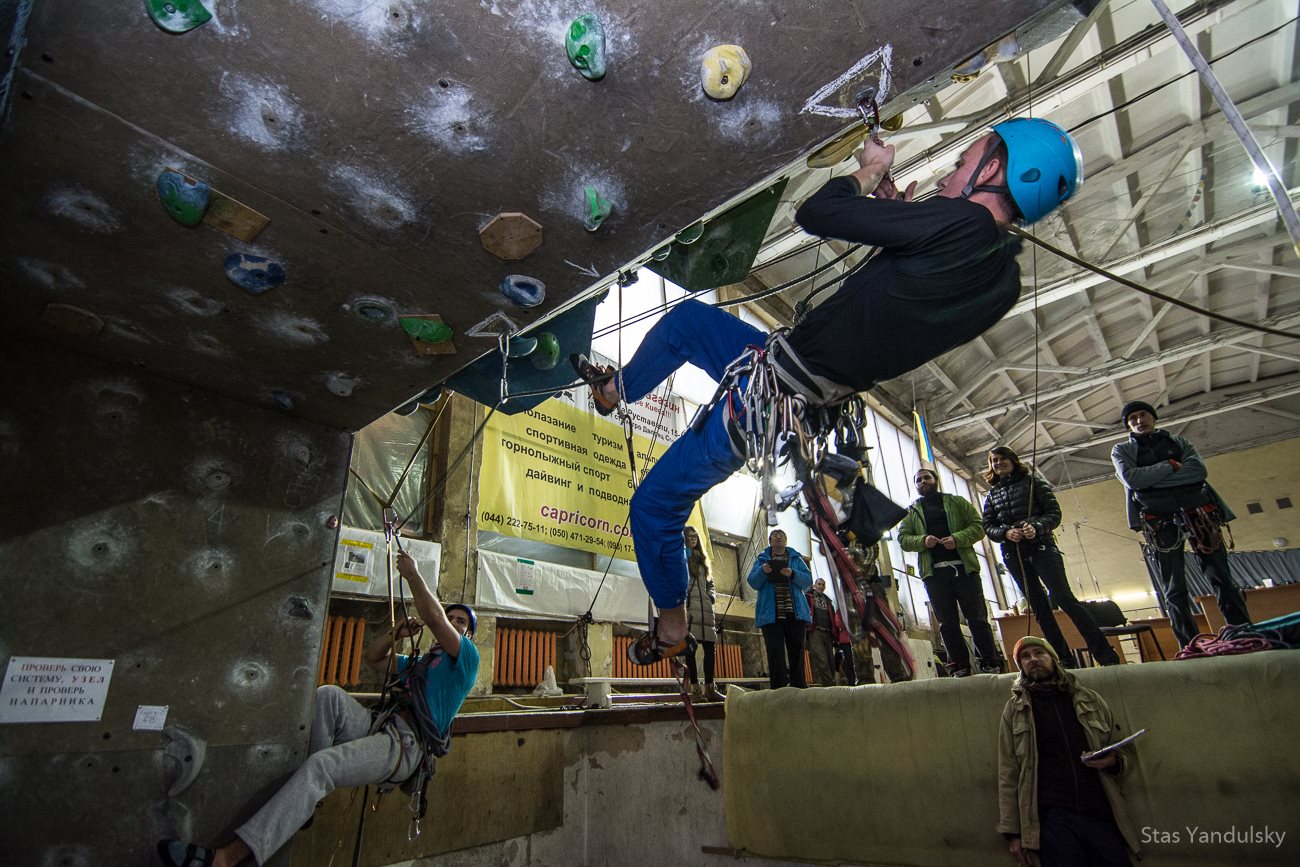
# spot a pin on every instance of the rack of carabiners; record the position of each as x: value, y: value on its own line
x: 1202, y: 526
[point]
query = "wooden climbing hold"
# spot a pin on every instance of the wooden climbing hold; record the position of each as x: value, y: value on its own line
x: 428, y: 333
x: 76, y: 321
x: 511, y: 235
x: 724, y: 69
x: 585, y: 45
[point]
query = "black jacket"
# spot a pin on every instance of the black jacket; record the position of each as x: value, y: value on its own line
x: 1008, y: 505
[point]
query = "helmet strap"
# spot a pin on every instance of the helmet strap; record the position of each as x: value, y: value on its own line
x: 970, y: 187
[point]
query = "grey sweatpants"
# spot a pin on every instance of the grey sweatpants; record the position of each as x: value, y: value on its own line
x: 342, y: 753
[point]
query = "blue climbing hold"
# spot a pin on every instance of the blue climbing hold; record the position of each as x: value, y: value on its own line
x: 186, y: 201
x: 255, y: 274
x: 524, y: 291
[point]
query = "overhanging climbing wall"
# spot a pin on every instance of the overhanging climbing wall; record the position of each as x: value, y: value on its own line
x: 374, y: 141
x: 183, y: 536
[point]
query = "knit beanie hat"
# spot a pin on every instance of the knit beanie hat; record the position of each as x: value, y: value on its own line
x: 1133, y: 406
x: 1034, y: 641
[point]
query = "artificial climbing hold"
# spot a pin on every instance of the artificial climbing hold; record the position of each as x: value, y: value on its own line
x: 340, y: 384
x: 597, y: 211
x: 520, y: 347
x: 72, y: 320
x: 524, y: 291
x: 177, y: 16
x: 284, y: 400
x: 511, y: 235
x: 425, y: 330
x: 547, y: 353
x: 585, y: 45
x: 690, y: 234
x: 724, y: 69
x: 370, y: 310
x: 185, y: 200
x: 430, y: 396
x: 256, y: 274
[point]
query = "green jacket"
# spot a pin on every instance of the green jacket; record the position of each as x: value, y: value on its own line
x: 964, y: 524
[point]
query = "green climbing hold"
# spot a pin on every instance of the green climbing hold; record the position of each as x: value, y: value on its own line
x: 547, y: 353
x: 185, y: 200
x: 425, y: 330
x: 585, y: 45
x: 177, y: 16
x: 598, y: 209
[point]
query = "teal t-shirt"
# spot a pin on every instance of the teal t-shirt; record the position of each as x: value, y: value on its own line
x: 449, y: 681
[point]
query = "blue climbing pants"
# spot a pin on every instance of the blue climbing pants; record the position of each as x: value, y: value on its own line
x: 710, y: 339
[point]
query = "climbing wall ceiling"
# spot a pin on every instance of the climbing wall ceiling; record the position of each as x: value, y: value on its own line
x: 1170, y: 200
x: 357, y: 153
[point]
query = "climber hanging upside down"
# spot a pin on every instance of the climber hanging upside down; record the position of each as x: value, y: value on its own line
x: 946, y: 271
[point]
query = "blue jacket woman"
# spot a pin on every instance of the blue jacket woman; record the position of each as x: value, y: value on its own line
x: 782, y: 577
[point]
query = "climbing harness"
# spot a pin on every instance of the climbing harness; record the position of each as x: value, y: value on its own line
x: 779, y: 410
x: 1202, y: 526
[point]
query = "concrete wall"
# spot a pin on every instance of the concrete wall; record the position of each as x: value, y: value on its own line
x: 183, y: 536
x: 598, y: 795
x: 1261, y: 474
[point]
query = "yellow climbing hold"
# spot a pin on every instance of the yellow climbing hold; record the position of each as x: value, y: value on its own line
x: 723, y: 70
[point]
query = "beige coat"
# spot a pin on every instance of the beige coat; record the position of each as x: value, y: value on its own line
x: 700, y: 597
x: 1018, y: 764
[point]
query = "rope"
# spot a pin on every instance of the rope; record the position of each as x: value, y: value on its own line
x: 1230, y: 641
x: 1168, y: 299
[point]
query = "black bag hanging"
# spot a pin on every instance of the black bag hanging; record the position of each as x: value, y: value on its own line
x: 873, y: 514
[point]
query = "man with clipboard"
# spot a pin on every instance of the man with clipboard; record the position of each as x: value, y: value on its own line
x: 1059, y: 797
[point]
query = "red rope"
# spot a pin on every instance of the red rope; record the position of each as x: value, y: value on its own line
x: 1206, y: 644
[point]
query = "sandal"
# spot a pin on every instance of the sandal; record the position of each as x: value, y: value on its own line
x: 648, y: 649
x: 174, y: 853
x: 595, y: 376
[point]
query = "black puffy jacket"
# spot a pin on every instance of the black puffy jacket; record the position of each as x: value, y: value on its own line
x: 1008, y: 505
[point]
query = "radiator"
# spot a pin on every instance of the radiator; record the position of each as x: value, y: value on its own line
x: 340, y: 659
x: 726, y: 661
x: 522, y: 656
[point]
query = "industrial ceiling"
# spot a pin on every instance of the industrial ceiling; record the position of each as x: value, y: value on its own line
x: 1171, y: 201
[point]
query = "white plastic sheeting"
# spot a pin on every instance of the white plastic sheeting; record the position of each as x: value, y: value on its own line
x: 361, y: 565
x: 514, y: 585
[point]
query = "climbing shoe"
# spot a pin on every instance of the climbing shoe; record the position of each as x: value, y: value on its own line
x: 596, y: 377
x: 648, y: 649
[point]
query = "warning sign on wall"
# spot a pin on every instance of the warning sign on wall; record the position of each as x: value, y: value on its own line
x: 45, y: 689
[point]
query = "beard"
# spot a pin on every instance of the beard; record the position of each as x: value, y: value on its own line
x: 1039, y: 674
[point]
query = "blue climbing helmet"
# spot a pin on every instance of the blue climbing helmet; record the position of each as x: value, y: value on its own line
x: 469, y: 612
x: 1044, y: 165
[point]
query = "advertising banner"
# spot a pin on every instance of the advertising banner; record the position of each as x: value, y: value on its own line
x: 559, y: 473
